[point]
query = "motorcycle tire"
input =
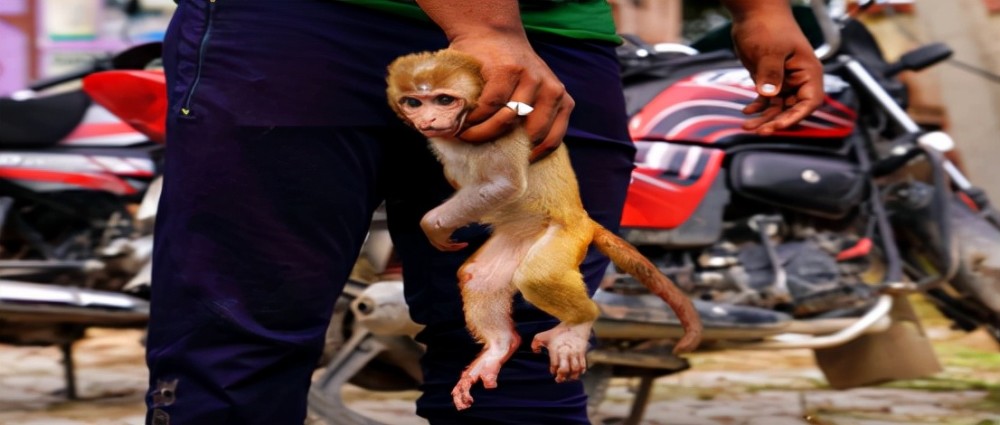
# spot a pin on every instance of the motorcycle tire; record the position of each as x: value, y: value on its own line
x: 978, y: 275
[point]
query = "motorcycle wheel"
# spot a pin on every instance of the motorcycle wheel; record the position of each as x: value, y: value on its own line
x: 978, y: 275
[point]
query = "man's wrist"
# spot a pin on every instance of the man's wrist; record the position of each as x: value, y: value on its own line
x: 743, y: 10
x: 481, y: 18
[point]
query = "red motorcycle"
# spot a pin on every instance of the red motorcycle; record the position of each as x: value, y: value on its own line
x: 79, y: 174
x: 809, y: 238
x: 795, y: 222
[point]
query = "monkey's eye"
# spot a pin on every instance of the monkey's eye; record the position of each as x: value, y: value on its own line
x: 444, y: 100
x: 411, y: 102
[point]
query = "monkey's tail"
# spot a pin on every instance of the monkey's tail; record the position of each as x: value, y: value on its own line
x: 626, y: 257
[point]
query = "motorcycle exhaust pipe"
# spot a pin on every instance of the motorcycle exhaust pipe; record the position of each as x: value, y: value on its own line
x: 22, y: 302
x: 792, y: 334
x: 50, y: 265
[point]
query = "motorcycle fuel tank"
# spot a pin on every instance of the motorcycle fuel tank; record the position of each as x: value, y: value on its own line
x: 681, y: 123
x: 706, y: 108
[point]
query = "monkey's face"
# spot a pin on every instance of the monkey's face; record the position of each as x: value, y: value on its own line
x: 434, y: 113
x: 433, y: 91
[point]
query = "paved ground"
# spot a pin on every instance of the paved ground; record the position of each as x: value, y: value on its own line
x: 772, y: 388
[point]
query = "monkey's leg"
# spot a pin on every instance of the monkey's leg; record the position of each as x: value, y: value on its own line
x: 550, y: 279
x: 487, y: 293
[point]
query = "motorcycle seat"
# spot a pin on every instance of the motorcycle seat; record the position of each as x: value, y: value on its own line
x: 41, y: 121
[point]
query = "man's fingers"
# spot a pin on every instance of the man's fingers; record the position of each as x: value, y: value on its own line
x: 539, y: 121
x: 497, y: 91
x: 555, y: 136
x: 758, y: 104
x: 503, y: 118
x: 772, y: 107
x: 500, y: 123
x: 790, y: 116
x: 769, y: 74
x: 777, y: 117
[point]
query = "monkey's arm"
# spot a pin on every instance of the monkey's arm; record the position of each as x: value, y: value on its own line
x: 497, y: 178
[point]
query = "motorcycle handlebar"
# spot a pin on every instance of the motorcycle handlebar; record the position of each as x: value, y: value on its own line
x: 56, y: 80
x: 135, y: 57
x: 828, y: 27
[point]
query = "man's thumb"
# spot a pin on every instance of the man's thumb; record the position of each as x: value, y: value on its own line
x: 767, y: 89
x: 768, y: 76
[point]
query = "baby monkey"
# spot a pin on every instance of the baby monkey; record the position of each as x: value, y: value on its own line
x: 540, y: 231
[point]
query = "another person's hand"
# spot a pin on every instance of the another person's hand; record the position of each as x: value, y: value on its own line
x: 785, y: 70
x: 513, y: 72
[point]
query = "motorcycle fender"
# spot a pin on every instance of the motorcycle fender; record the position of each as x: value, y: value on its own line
x: 901, y: 352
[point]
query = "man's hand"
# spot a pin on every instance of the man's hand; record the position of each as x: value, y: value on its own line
x: 785, y: 70
x: 491, y: 31
x: 515, y: 72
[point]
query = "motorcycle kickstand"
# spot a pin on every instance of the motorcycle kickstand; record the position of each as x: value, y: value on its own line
x: 640, y: 401
x: 69, y: 370
x: 325, y: 397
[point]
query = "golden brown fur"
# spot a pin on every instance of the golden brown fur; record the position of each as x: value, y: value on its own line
x: 541, y: 232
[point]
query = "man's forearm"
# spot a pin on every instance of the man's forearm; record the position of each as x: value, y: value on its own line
x: 472, y: 18
x: 744, y: 9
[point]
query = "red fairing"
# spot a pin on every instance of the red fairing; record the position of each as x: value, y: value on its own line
x: 707, y: 108
x: 114, y: 132
x: 58, y: 171
x: 668, y: 184
x: 68, y: 180
x: 139, y: 98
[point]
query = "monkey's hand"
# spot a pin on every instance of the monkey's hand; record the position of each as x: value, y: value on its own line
x: 567, y: 347
x: 438, y: 233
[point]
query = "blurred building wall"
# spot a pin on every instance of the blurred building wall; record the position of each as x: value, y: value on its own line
x: 655, y: 21
x: 39, y: 38
x: 17, y: 44
x: 972, y: 102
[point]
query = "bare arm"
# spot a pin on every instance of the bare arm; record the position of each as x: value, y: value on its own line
x: 788, y: 76
x: 491, y: 31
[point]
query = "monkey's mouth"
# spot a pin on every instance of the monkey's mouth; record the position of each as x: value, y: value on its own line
x: 449, y: 131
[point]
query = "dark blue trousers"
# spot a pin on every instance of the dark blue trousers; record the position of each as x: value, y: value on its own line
x: 280, y: 145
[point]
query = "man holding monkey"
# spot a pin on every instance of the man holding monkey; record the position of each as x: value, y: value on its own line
x: 281, y: 145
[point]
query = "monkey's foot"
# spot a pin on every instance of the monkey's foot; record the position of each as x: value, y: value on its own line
x: 567, y: 347
x: 485, y: 367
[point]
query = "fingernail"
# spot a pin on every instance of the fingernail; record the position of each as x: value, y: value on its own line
x: 768, y: 88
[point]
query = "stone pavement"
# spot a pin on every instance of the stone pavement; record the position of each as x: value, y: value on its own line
x: 729, y: 399
x: 756, y: 388
x: 111, y: 380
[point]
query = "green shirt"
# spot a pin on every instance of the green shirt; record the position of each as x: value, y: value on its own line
x: 581, y: 19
